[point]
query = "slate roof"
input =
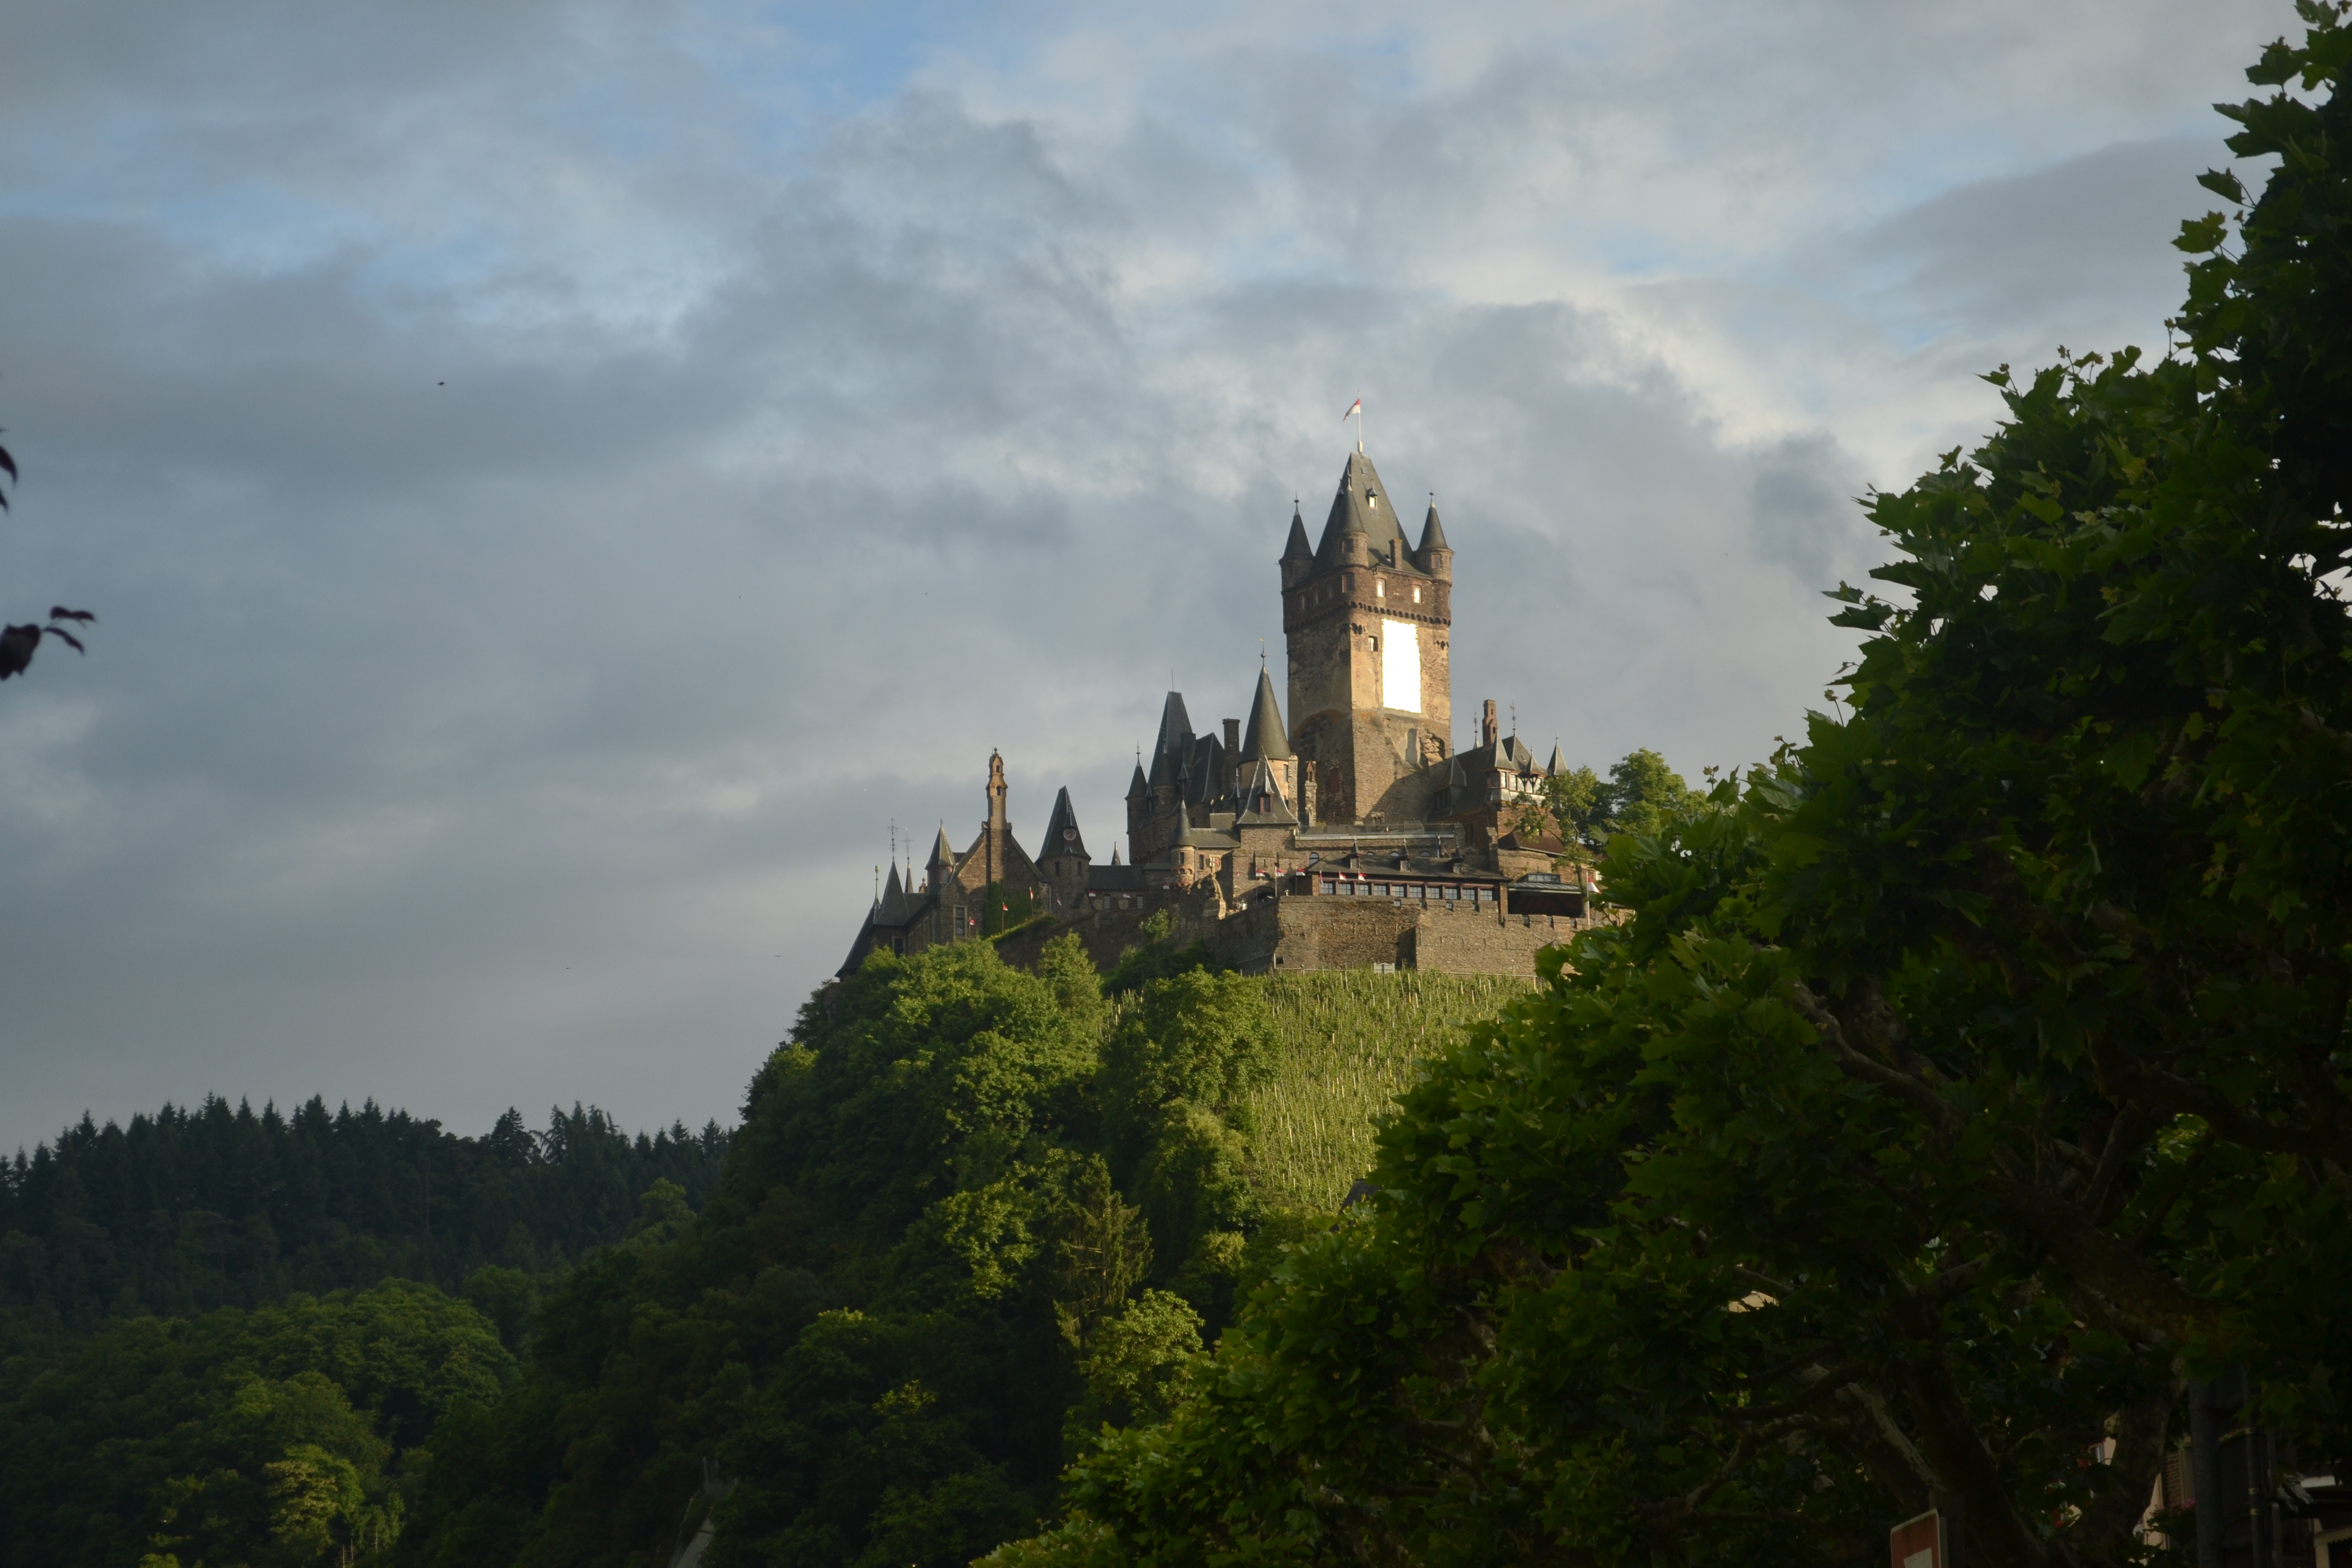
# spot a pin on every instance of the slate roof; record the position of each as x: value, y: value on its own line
x: 1362, y: 505
x: 1432, y: 532
x: 942, y: 852
x: 892, y: 910
x: 1168, y: 752
x: 1296, y: 548
x: 1062, y: 829
x: 1259, y: 787
x: 1204, y: 838
x: 1262, y: 737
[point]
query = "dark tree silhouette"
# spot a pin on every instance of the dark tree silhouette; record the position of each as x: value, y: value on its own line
x: 18, y: 643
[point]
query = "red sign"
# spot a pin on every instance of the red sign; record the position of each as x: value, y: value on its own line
x: 1919, y: 1544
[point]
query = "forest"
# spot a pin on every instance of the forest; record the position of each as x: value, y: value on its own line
x: 194, y: 1208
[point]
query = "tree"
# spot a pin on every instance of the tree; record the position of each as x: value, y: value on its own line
x: 1641, y: 795
x: 1967, y: 1082
x: 18, y: 643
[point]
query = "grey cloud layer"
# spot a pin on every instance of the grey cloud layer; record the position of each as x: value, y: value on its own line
x: 555, y: 497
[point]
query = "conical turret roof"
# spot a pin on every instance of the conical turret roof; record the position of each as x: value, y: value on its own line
x: 1556, y: 766
x: 1139, y: 786
x: 1262, y: 737
x: 942, y: 852
x: 1175, y: 740
x: 892, y: 911
x: 1296, y: 547
x: 1432, y: 532
x: 1361, y: 505
x: 1062, y: 830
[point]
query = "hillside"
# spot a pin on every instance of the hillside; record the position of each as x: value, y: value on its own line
x: 974, y: 1213
x: 1348, y: 1042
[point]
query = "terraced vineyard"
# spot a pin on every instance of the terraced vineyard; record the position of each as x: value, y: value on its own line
x: 1351, y: 1040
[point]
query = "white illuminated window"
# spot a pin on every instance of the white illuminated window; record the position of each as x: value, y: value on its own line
x: 1381, y: 589
x: 1416, y: 593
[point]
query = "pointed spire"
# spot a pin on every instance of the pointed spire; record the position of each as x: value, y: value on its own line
x: 1139, y: 786
x: 1061, y: 831
x: 1555, y: 767
x: 1262, y: 737
x: 942, y: 852
x: 1114, y: 854
x: 1296, y: 548
x: 1360, y: 506
x: 1432, y: 532
x: 1175, y: 739
x: 890, y: 909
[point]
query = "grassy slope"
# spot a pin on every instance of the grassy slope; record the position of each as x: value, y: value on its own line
x: 1350, y: 1039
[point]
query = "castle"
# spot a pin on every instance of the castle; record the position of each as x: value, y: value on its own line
x: 1356, y: 836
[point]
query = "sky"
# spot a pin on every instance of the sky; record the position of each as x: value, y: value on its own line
x: 563, y: 483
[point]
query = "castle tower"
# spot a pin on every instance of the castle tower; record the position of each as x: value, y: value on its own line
x: 1063, y: 858
x: 1367, y: 621
x: 994, y: 837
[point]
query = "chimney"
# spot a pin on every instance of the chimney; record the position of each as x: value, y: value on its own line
x: 1486, y: 736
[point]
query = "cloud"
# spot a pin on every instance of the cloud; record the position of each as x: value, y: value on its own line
x: 562, y: 480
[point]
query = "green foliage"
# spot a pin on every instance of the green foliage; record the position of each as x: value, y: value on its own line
x: 274, y: 1436
x: 1157, y: 956
x: 972, y: 1215
x: 1641, y: 795
x: 1141, y: 1365
x: 191, y: 1209
x: 1965, y: 1080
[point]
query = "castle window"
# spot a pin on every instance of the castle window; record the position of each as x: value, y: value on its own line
x: 1380, y: 588
x: 1416, y: 593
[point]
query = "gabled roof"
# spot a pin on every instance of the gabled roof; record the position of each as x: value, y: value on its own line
x: 1432, y: 532
x: 1062, y: 830
x: 1260, y: 789
x: 1296, y: 547
x: 1362, y: 505
x: 1262, y: 737
x: 1175, y: 740
x: 1509, y: 754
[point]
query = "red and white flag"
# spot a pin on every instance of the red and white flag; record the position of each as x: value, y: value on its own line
x: 1353, y: 409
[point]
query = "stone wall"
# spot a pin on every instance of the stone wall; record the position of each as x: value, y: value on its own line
x: 1298, y: 932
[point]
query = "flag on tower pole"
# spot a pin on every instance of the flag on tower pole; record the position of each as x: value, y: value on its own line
x: 1356, y: 412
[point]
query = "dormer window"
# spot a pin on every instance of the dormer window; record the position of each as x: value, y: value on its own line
x: 1371, y: 500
